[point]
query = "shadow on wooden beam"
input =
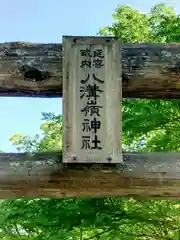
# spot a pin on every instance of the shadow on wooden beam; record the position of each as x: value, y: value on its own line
x: 35, y: 70
x: 146, y: 175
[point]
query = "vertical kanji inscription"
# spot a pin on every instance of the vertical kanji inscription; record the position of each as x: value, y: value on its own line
x: 90, y: 91
x: 92, y: 100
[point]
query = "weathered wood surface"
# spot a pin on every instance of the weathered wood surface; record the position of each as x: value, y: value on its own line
x: 149, y: 70
x: 146, y: 175
x: 92, y: 134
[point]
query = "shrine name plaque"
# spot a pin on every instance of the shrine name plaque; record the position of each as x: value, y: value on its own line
x: 92, y: 100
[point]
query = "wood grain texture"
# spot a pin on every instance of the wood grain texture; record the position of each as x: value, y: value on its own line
x: 35, y: 70
x: 144, y: 175
x: 96, y: 86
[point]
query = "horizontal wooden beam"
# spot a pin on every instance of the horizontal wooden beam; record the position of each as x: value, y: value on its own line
x: 145, y: 175
x: 35, y: 70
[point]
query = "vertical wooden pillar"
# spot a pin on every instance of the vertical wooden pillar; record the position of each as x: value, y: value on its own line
x: 92, y: 94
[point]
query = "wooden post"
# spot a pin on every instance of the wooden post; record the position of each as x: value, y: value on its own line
x: 92, y: 90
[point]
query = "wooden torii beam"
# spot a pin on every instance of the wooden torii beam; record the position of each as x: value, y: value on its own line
x: 146, y: 175
x: 35, y: 70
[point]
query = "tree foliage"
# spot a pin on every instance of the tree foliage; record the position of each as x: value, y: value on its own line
x: 148, y: 125
x: 50, y: 137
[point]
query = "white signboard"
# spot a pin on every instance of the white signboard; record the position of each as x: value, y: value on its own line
x: 92, y: 97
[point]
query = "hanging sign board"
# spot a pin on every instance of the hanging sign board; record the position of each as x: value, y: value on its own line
x: 92, y: 100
